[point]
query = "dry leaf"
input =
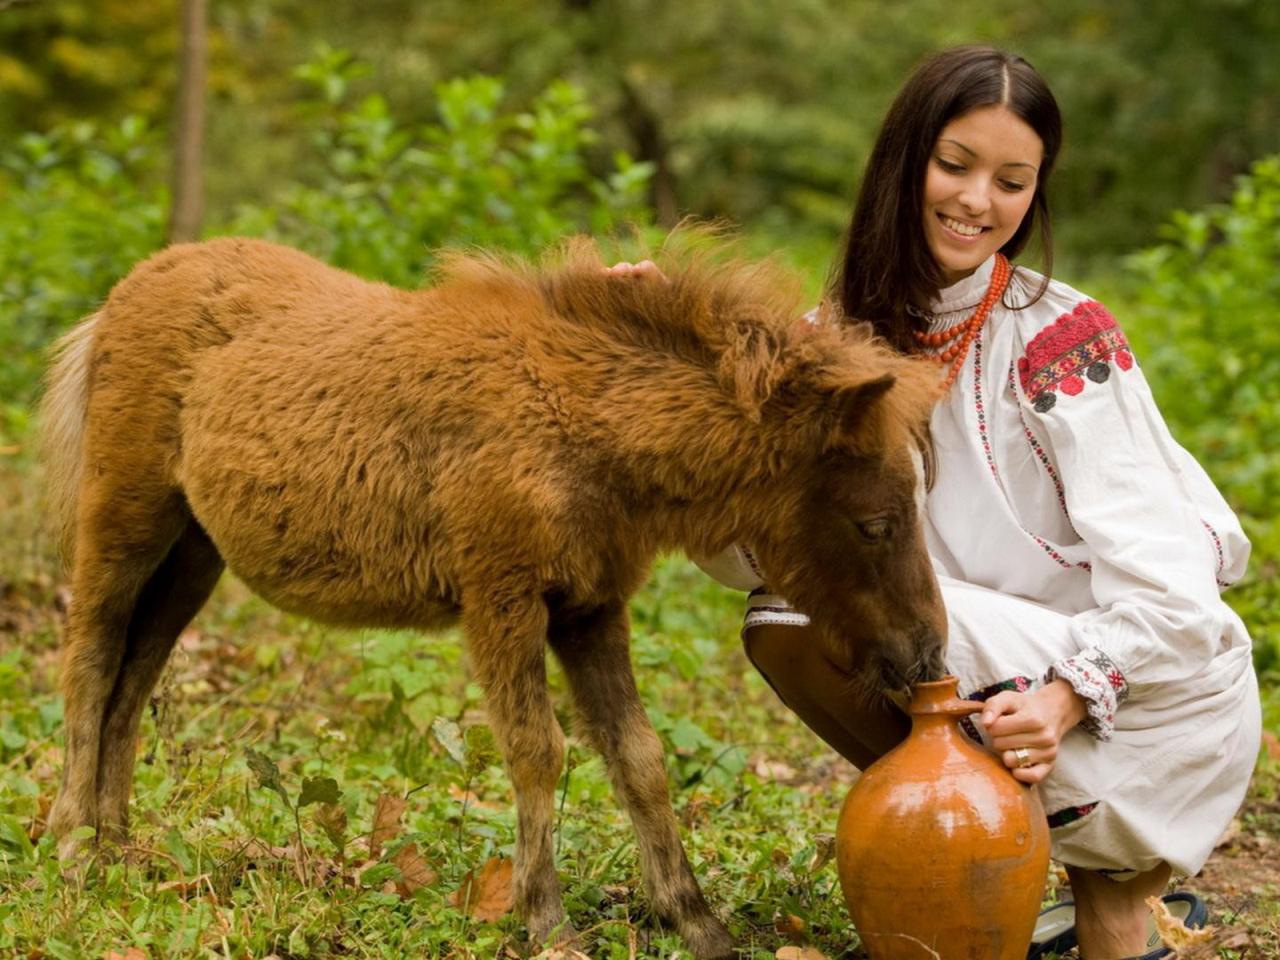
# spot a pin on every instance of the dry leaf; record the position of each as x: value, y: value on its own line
x: 1229, y: 835
x: 386, y: 822
x: 561, y: 953
x: 800, y: 953
x: 824, y: 850
x: 414, y: 872
x: 130, y: 953
x: 332, y: 818
x: 767, y: 769
x: 184, y: 888
x: 1173, y: 931
x: 486, y: 895
x: 1272, y: 743
x: 789, y: 925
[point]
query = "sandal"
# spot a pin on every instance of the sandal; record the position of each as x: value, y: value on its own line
x: 1055, y: 931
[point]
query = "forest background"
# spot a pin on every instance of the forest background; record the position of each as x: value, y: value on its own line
x: 371, y: 134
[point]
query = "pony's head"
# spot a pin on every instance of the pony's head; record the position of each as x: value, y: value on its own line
x: 806, y: 440
x: 841, y: 520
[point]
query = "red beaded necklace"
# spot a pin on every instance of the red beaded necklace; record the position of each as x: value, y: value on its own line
x: 966, y: 330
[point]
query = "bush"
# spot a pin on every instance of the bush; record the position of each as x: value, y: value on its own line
x: 81, y: 204
x: 1206, y: 306
x: 77, y: 207
x: 388, y: 195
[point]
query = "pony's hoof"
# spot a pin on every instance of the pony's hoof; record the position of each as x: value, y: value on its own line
x: 553, y: 934
x: 706, y: 937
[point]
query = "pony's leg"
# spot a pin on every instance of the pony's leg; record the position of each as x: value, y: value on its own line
x: 173, y: 595
x: 507, y: 643
x: 121, y: 540
x: 593, y: 647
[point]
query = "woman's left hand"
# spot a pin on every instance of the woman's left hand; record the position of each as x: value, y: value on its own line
x: 1034, y: 723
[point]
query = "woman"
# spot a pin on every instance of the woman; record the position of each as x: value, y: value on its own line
x: 1080, y: 550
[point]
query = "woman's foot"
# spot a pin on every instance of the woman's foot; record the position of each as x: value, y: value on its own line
x: 1112, y: 915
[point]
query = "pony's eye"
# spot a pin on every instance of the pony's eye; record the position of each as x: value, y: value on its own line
x: 873, y: 531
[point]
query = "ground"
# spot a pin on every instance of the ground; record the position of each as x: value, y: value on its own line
x: 305, y: 792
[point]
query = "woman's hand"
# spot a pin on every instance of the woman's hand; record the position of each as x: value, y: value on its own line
x: 1034, y: 722
x: 645, y: 269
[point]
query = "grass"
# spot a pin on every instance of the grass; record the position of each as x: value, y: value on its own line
x: 221, y: 866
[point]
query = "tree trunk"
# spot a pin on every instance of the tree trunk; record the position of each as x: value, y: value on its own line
x: 186, y: 212
x: 651, y: 145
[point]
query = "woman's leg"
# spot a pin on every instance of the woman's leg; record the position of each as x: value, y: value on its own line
x: 822, y: 694
x: 1111, y: 915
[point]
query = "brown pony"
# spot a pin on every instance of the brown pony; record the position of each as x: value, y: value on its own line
x: 510, y: 448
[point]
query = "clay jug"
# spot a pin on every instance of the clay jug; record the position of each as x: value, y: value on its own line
x: 941, y: 852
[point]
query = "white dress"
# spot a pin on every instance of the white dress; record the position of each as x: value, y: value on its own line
x: 1075, y: 539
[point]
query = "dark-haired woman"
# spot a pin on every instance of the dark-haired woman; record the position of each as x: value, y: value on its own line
x: 1080, y: 549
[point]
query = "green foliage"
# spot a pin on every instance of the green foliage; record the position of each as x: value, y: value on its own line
x: 78, y: 206
x: 81, y: 204
x: 1206, y: 311
x: 390, y: 193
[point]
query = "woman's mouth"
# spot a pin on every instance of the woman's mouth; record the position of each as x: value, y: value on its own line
x: 964, y: 231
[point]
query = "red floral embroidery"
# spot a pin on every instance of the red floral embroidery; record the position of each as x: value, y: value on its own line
x: 1075, y: 346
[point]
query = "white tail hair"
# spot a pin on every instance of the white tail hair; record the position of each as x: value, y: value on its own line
x: 61, y: 425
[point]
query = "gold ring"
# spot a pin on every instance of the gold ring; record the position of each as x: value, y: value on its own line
x: 1023, y: 756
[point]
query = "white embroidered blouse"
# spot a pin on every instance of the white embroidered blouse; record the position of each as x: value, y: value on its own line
x: 1059, y: 482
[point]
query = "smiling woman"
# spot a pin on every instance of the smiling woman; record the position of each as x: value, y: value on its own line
x: 980, y: 184
x: 1080, y: 550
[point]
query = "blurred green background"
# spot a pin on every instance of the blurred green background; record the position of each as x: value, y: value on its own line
x: 371, y: 133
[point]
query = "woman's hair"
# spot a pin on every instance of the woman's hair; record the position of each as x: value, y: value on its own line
x: 887, y: 266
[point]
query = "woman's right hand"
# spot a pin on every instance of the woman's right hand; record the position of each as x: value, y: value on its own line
x: 645, y: 269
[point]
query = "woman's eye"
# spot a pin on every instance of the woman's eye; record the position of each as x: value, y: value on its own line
x: 950, y: 167
x: 1012, y: 185
x: 873, y: 531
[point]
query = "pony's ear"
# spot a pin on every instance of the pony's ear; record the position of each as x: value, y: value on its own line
x: 851, y: 406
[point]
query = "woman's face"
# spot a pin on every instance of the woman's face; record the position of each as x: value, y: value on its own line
x: 979, y: 185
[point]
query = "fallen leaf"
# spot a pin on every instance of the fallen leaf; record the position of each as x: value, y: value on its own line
x: 386, y: 821
x: 767, y: 769
x: 449, y: 735
x: 184, y: 888
x: 486, y: 895
x: 130, y: 953
x: 561, y: 953
x: 789, y: 925
x: 332, y: 818
x: 824, y: 849
x: 1272, y: 743
x: 414, y: 872
x: 800, y: 953
x: 1173, y: 931
x: 1229, y: 835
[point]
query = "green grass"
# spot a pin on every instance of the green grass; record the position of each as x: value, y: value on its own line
x: 757, y: 794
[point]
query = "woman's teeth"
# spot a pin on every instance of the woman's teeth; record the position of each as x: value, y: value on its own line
x: 961, y: 228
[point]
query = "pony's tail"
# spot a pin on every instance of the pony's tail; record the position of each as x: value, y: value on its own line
x: 62, y: 420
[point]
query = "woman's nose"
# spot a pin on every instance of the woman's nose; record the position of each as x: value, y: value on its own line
x: 975, y: 198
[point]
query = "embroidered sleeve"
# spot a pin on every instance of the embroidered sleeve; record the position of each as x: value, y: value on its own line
x: 764, y: 607
x: 1097, y: 679
x: 1081, y: 344
x: 1153, y: 568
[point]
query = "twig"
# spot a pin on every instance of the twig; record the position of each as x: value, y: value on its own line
x: 923, y: 946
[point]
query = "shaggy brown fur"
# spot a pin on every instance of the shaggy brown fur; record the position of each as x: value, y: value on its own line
x: 510, y: 448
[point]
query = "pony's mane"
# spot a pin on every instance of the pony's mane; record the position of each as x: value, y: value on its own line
x: 741, y: 317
